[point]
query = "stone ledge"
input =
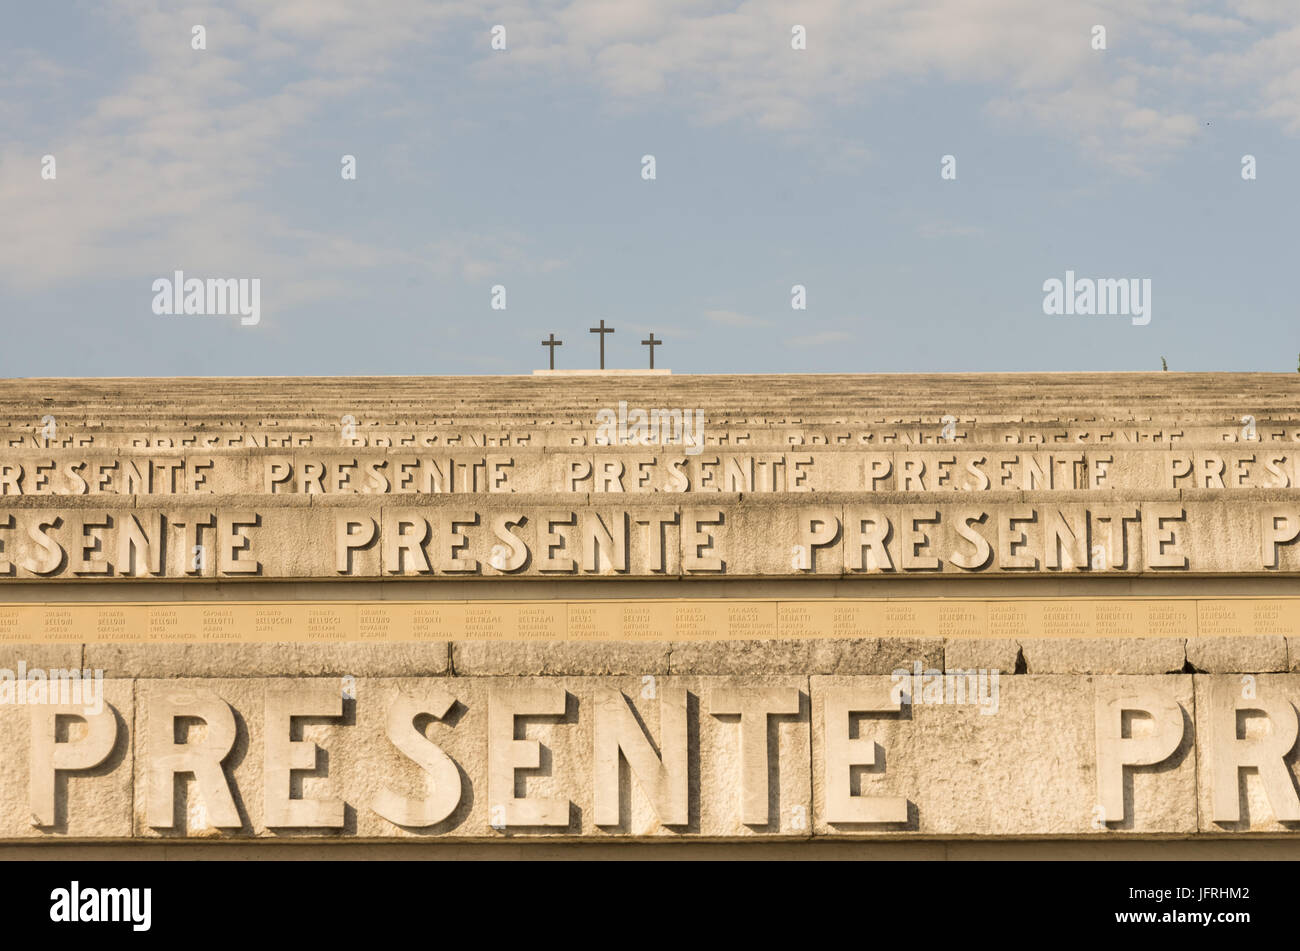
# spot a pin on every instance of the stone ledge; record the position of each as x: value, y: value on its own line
x: 406, y: 658
x: 1111, y: 655
x: 991, y: 653
x: 572, y: 658
x: 1237, y: 655
x: 867, y: 655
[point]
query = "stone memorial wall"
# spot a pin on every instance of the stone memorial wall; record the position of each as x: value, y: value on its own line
x: 988, y: 608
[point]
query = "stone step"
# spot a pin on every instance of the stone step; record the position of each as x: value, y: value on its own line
x: 958, y: 393
x: 945, y: 471
x: 1187, y: 533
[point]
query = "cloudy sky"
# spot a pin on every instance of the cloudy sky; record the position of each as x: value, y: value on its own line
x: 523, y: 168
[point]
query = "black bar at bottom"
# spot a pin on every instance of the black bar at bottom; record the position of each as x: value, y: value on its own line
x: 637, y: 901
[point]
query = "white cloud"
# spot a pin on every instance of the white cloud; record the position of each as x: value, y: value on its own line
x: 1128, y: 106
x: 170, y: 168
x: 171, y: 164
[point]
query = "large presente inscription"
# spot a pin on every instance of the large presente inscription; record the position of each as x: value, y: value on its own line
x: 655, y: 757
x: 941, y: 471
x: 1124, y: 525
x: 760, y: 536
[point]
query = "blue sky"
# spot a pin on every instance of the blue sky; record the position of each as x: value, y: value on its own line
x: 522, y: 168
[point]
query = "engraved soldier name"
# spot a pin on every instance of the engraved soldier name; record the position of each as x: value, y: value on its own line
x: 642, y: 620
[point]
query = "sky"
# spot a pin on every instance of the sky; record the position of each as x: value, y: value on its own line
x: 794, y: 144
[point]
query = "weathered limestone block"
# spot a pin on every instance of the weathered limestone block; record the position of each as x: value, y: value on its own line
x: 870, y: 655
x: 993, y: 653
x: 39, y: 656
x: 293, y: 659
x: 1030, y: 768
x: 1247, y: 755
x: 238, y: 537
x: 1226, y: 655
x: 126, y: 472
x: 66, y: 768
x: 477, y: 658
x: 1103, y: 655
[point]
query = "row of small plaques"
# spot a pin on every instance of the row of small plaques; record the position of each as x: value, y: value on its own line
x: 661, y: 620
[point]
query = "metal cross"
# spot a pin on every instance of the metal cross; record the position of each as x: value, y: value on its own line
x: 602, y: 330
x: 552, y: 343
x: 652, y: 343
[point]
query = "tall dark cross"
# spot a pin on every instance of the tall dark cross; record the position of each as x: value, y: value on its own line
x: 652, y: 343
x: 552, y: 343
x: 602, y: 330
